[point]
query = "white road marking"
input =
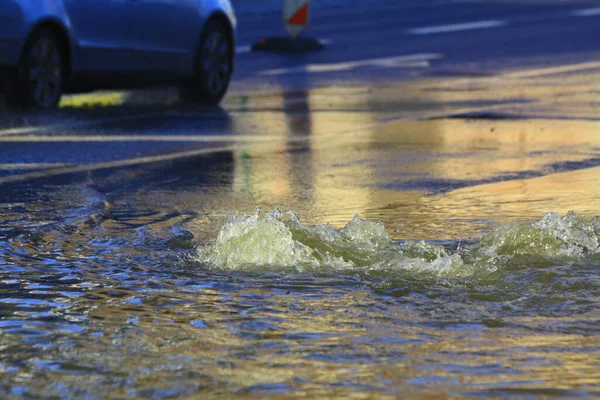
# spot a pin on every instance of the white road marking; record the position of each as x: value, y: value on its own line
x: 75, y: 124
x: 141, y: 138
x: 467, y: 26
x: 248, y: 48
x: 74, y: 168
x: 21, y: 131
x: 586, y: 12
x: 552, y: 70
x: 21, y: 166
x: 409, y: 61
x: 111, y: 164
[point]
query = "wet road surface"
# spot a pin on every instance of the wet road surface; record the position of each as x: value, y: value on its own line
x: 134, y: 264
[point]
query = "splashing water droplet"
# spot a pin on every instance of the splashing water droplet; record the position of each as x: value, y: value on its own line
x: 279, y: 241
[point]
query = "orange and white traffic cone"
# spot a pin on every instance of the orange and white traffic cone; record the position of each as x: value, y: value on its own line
x: 295, y: 19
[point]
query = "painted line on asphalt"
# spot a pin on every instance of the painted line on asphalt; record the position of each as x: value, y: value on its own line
x: 552, y: 70
x: 248, y: 48
x: 76, y: 124
x: 111, y: 164
x: 21, y: 131
x: 142, y: 138
x: 408, y: 61
x: 21, y: 166
x: 75, y: 168
x: 467, y: 26
x: 243, y: 49
x: 586, y: 12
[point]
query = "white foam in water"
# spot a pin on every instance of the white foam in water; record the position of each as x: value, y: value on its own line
x: 279, y: 241
x: 570, y: 236
x: 255, y: 241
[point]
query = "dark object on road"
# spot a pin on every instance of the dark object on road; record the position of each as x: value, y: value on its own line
x: 287, y: 44
x: 49, y: 47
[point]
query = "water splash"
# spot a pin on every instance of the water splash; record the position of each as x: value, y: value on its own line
x: 278, y: 241
x: 554, y: 236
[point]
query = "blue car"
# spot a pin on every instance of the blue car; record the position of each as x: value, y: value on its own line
x: 48, y: 47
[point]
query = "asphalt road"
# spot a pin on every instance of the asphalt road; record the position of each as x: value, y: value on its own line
x: 382, y: 64
x: 464, y: 38
x: 438, y: 120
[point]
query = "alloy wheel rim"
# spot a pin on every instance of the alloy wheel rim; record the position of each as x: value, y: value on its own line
x: 44, y: 73
x: 215, y: 62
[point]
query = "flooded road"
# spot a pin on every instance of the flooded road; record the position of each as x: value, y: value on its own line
x: 135, y: 263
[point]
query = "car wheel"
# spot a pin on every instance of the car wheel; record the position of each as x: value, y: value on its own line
x: 41, y: 74
x: 212, y: 71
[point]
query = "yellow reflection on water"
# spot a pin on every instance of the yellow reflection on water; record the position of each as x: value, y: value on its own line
x: 311, y: 345
x: 436, y: 179
x: 94, y: 99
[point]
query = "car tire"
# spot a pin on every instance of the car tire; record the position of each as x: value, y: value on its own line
x: 213, y: 66
x: 40, y: 76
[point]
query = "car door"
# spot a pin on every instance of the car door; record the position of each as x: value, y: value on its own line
x: 101, y: 31
x: 164, y: 33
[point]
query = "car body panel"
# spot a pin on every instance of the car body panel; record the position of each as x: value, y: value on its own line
x: 98, y: 48
x: 115, y: 37
x: 163, y: 32
x: 15, y: 23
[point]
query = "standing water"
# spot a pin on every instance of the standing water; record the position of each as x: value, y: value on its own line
x: 161, y: 289
x: 273, y: 307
